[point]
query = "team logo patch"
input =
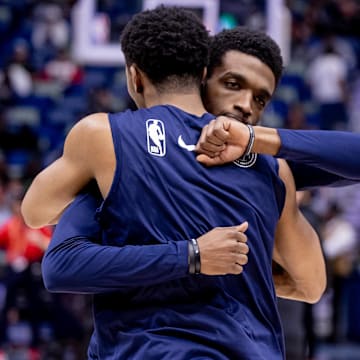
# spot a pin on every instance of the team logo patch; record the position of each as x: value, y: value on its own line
x: 156, y: 144
x: 246, y: 161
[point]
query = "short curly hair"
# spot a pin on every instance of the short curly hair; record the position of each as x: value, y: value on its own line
x: 167, y: 43
x: 248, y: 41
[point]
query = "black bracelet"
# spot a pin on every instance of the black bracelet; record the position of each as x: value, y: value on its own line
x: 250, y: 144
x: 191, y: 257
x: 197, y: 256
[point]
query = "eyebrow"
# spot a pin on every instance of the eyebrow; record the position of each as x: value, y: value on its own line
x: 240, y: 77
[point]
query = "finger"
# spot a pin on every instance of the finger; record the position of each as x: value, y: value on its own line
x: 243, y: 227
x: 242, y: 259
x: 208, y: 146
x: 212, y: 138
x: 243, y: 248
x: 208, y: 142
x: 216, y: 134
x: 208, y: 161
x: 209, y: 154
x: 202, y: 137
x: 240, y: 237
x: 236, y: 269
x: 209, y: 149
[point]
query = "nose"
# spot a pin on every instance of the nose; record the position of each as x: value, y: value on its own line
x: 243, y: 103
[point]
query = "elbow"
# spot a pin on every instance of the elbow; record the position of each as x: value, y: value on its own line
x: 50, y: 283
x: 29, y: 216
x: 50, y: 277
x: 315, y: 291
x: 53, y: 278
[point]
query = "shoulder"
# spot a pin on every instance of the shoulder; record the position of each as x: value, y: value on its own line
x: 92, y: 122
x: 87, y: 129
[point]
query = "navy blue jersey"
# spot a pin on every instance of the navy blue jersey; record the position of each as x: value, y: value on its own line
x: 161, y: 194
x: 321, y: 158
x: 73, y: 263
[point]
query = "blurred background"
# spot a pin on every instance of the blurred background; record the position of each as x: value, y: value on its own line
x: 61, y: 60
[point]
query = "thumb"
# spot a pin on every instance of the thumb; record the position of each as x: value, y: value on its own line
x: 208, y: 161
x: 243, y: 227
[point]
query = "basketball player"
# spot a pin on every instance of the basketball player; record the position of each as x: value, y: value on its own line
x: 154, y: 195
x: 76, y: 236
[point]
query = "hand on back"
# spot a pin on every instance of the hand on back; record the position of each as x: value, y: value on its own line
x: 223, y: 250
x: 222, y: 140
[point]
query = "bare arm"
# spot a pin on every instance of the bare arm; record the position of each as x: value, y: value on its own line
x: 56, y: 186
x: 297, y: 250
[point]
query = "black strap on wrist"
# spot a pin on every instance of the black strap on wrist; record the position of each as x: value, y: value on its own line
x: 250, y: 144
x: 191, y: 258
x: 194, y: 257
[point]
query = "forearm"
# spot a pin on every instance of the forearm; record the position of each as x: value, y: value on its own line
x: 267, y: 140
x: 297, y: 250
x: 38, y: 207
x: 57, y: 185
x: 285, y: 286
x: 78, y: 265
x: 303, y: 275
x: 49, y: 194
x: 75, y: 260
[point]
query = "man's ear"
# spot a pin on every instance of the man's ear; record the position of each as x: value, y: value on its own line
x: 136, y: 79
x: 203, y: 79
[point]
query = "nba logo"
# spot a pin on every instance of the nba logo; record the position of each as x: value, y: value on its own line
x: 155, y: 131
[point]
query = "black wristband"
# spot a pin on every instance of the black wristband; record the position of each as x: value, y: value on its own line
x: 197, y: 256
x: 191, y: 257
x: 250, y: 144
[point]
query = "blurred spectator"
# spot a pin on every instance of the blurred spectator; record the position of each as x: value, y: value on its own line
x: 18, y: 74
x: 24, y: 248
x: 50, y: 26
x: 340, y: 246
x: 5, y: 211
x: 102, y: 100
x: 343, y: 16
x: 63, y: 70
x: 296, y: 118
x: 23, y: 245
x: 327, y: 77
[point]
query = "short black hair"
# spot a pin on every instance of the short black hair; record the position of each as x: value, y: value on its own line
x: 167, y: 43
x: 248, y: 41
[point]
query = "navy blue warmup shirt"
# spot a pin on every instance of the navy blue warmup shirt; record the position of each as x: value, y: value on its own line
x: 76, y: 264
x: 161, y: 194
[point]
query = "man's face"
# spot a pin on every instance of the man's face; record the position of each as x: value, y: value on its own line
x: 240, y: 87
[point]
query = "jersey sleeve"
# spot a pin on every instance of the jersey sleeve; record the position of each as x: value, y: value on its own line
x: 77, y: 262
x: 321, y: 158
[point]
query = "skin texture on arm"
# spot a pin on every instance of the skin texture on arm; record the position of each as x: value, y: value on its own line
x: 88, y: 151
x: 297, y: 250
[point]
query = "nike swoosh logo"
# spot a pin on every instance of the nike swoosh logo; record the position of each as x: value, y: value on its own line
x: 182, y: 144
